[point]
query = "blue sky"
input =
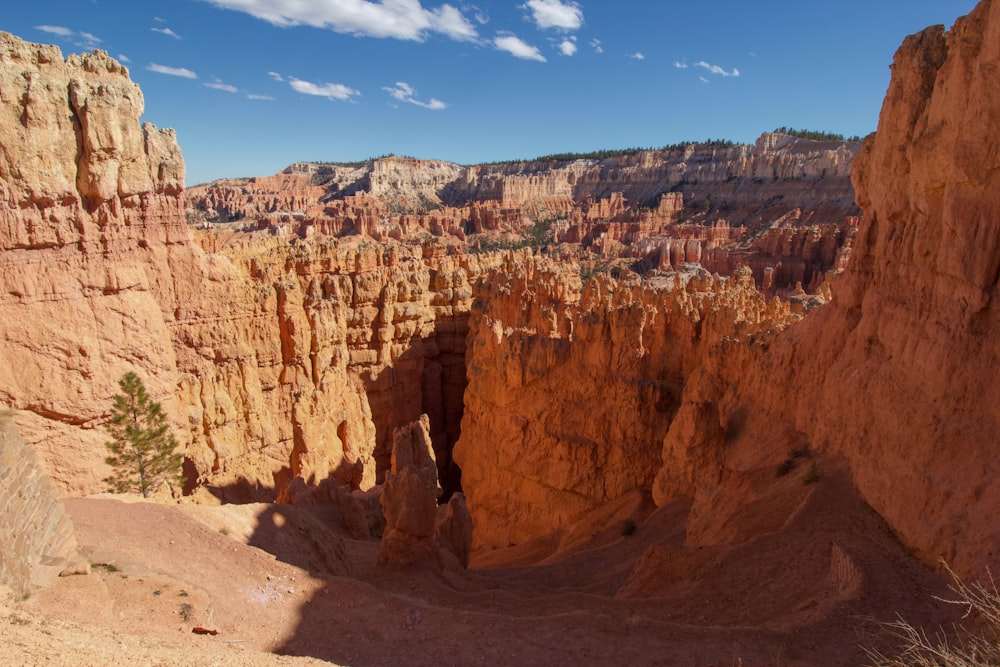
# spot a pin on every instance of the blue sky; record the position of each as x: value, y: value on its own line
x: 254, y: 85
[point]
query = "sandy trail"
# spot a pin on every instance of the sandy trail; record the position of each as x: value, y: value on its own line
x: 800, y: 579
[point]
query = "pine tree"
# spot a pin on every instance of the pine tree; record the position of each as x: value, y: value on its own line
x: 142, y: 447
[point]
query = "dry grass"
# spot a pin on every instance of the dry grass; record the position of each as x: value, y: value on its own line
x: 961, y: 648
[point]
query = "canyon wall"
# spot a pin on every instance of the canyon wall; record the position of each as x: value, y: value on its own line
x: 286, y: 357
x: 895, y: 379
x: 785, y: 173
x: 282, y: 363
x: 572, y: 393
x: 636, y: 206
x: 911, y: 334
x: 90, y: 220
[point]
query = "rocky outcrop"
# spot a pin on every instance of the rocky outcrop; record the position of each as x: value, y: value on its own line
x: 283, y: 366
x: 571, y: 394
x: 417, y: 531
x: 90, y: 223
x: 39, y: 540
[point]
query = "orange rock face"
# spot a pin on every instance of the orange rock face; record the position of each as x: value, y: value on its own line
x: 897, y: 374
x: 919, y: 314
x: 284, y: 364
x: 896, y: 377
x: 571, y: 395
x: 90, y: 222
x: 287, y: 357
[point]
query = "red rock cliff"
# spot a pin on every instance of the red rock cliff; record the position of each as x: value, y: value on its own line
x: 570, y: 395
x: 898, y: 374
x: 896, y: 377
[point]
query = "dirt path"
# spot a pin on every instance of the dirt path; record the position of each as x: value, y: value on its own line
x: 803, y: 574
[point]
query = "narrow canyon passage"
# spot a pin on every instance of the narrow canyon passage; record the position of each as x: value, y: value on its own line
x: 429, y: 378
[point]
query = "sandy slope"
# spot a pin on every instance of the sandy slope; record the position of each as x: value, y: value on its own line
x: 803, y: 575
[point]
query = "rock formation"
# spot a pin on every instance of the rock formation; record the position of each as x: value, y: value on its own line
x: 287, y: 354
x: 277, y: 362
x: 417, y: 531
x: 39, y: 541
x: 911, y: 332
x: 895, y: 376
x: 638, y: 206
x: 91, y: 227
x: 571, y: 395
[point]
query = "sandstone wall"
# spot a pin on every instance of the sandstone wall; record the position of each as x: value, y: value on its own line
x: 571, y: 394
x: 896, y: 377
x: 37, y: 532
x: 277, y: 362
x: 898, y: 373
x: 820, y: 171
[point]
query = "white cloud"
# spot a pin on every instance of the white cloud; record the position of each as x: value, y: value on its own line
x: 55, y: 30
x: 638, y: 55
x: 481, y: 16
x: 715, y: 69
x: 254, y: 96
x: 124, y: 58
x: 518, y: 48
x: 82, y: 39
x: 556, y: 14
x: 404, y: 93
x: 680, y: 65
x: 331, y: 91
x: 276, y: 76
x: 166, y: 31
x: 399, y: 19
x: 172, y: 71
x: 703, y: 79
x: 596, y: 45
x: 567, y: 47
x: 219, y: 85
x: 159, y: 20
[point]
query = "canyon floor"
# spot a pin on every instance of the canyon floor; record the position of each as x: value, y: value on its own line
x: 802, y: 576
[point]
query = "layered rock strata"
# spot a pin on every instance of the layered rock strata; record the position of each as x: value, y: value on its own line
x: 572, y: 393
x: 283, y: 365
x: 894, y: 378
x: 640, y: 206
x: 39, y: 541
x: 911, y: 334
